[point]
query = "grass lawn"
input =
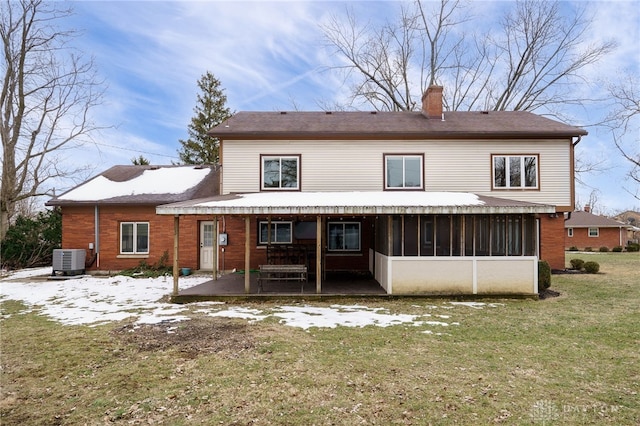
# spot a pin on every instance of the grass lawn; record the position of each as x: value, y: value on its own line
x: 574, y: 359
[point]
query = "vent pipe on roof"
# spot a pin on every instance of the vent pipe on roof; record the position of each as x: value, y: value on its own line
x: 432, y: 102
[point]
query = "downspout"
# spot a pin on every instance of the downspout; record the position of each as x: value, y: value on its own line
x: 96, y: 228
x: 573, y: 172
x: 95, y: 245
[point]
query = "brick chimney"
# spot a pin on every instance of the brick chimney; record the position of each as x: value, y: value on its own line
x: 587, y: 208
x: 432, y: 102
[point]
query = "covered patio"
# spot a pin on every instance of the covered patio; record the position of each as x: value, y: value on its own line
x: 473, y: 260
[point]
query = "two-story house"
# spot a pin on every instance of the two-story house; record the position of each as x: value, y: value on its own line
x: 428, y: 202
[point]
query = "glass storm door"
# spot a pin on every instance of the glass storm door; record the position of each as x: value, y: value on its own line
x: 206, y: 245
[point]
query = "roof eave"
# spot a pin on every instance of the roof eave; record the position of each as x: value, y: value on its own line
x: 350, y: 210
x: 262, y: 135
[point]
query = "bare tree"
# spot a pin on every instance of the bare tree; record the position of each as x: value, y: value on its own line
x: 375, y: 61
x: 624, y: 122
x: 543, y: 54
x: 531, y: 59
x: 389, y: 67
x: 48, y: 91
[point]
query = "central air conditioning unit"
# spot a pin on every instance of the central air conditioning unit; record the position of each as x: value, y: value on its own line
x: 69, y: 261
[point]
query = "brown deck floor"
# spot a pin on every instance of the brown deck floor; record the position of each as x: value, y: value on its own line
x: 233, y: 285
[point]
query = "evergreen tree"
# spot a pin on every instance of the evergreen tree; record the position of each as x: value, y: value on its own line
x: 140, y: 161
x: 30, y: 241
x: 210, y: 110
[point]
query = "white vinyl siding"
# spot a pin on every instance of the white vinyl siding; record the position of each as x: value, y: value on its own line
x: 449, y: 165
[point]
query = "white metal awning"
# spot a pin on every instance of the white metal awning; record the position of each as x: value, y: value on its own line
x: 352, y: 203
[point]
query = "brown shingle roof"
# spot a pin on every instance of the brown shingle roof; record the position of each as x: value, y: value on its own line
x: 208, y: 186
x: 392, y: 125
x: 582, y: 219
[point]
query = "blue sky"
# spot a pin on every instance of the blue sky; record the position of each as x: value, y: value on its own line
x: 269, y: 55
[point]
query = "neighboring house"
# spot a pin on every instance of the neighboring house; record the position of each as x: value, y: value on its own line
x: 584, y: 229
x: 428, y: 202
x: 632, y: 219
x: 113, y: 216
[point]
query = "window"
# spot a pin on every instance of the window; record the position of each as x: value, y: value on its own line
x: 343, y: 236
x: 134, y: 237
x: 280, y: 232
x: 280, y: 172
x: 518, y: 171
x: 403, y: 171
x: 570, y: 232
x: 594, y: 232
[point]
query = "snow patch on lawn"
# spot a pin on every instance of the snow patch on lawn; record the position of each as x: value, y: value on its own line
x: 94, y: 301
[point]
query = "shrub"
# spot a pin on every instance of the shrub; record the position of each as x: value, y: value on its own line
x: 30, y: 241
x: 591, y: 267
x: 603, y: 249
x: 544, y: 275
x: 633, y: 247
x: 576, y: 264
x: 617, y: 249
x: 573, y: 248
x: 144, y: 270
x: 588, y: 249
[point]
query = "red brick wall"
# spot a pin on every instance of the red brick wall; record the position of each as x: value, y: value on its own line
x: 78, y: 228
x: 233, y: 255
x: 552, y: 240
x: 78, y: 232
x: 608, y: 237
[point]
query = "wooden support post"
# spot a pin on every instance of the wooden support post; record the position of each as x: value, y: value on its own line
x: 247, y: 254
x: 319, y: 254
x: 176, y: 240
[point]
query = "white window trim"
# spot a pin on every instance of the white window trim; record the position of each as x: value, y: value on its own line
x: 597, y: 233
x: 264, y: 158
x: 508, y: 171
x: 135, y: 239
x: 570, y: 232
x: 343, y: 250
x: 404, y: 157
x: 276, y: 223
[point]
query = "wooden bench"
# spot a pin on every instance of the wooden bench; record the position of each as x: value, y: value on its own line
x: 282, y: 273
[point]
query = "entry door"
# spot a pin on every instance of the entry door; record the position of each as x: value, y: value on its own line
x: 206, y: 245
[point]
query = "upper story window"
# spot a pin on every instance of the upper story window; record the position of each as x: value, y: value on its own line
x: 280, y: 233
x: 403, y: 171
x: 134, y: 237
x: 280, y: 172
x: 343, y: 236
x: 515, y: 171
